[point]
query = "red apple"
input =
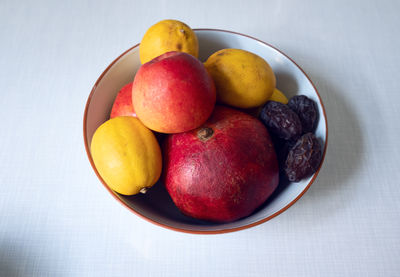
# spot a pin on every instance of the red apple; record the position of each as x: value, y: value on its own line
x: 223, y: 170
x: 173, y: 93
x: 123, y: 103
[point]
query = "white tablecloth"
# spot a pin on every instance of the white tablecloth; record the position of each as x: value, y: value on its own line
x: 56, y: 219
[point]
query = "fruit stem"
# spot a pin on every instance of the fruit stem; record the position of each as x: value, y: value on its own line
x: 205, y: 133
x: 143, y: 190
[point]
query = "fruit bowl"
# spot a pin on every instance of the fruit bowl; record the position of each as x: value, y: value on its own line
x: 156, y: 205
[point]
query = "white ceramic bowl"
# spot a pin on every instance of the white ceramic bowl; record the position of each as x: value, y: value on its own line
x: 156, y: 206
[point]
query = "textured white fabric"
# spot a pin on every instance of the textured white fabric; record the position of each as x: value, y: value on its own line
x: 56, y: 219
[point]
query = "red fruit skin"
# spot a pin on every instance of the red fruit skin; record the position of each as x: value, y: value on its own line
x: 225, y: 177
x: 123, y: 103
x: 173, y: 93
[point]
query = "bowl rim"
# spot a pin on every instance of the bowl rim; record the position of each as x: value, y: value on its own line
x: 228, y: 230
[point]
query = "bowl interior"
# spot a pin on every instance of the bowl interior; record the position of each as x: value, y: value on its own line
x: 156, y: 205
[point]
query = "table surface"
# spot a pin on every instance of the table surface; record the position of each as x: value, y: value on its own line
x: 56, y: 219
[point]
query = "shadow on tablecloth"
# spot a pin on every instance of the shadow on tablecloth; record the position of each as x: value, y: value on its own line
x: 345, y: 152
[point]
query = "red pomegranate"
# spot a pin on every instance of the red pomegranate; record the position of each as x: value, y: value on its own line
x: 223, y: 170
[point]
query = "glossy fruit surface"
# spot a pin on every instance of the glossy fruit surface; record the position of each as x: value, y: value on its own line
x: 173, y: 93
x: 243, y: 79
x: 223, y: 170
x: 278, y: 96
x: 126, y: 155
x: 165, y: 36
x: 123, y: 103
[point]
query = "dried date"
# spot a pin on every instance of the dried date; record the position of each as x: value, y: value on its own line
x: 281, y: 120
x: 303, y: 158
x: 307, y: 111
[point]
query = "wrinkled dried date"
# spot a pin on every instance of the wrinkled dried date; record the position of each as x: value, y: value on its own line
x: 303, y: 158
x: 281, y: 120
x: 307, y: 111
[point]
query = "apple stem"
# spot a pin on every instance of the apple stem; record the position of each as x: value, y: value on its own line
x: 143, y: 190
x: 205, y: 133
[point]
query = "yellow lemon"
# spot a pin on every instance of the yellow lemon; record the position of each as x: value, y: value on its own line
x: 168, y: 35
x: 126, y: 155
x: 243, y: 79
x: 278, y: 96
